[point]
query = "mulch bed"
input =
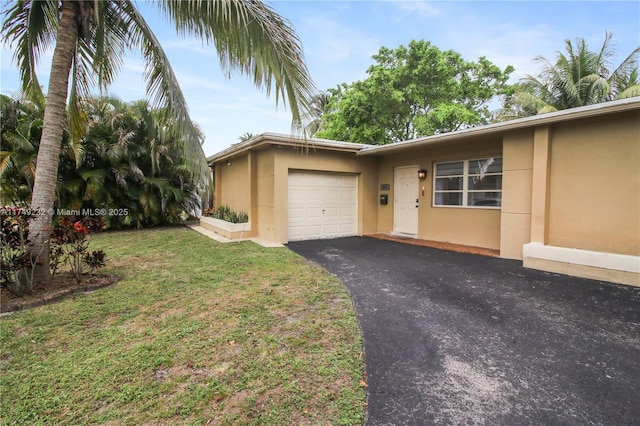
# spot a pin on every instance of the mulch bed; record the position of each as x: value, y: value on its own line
x: 60, y: 287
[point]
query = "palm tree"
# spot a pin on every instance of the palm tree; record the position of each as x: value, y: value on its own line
x: 21, y: 127
x: 245, y: 137
x: 578, y: 78
x: 90, y: 39
x: 319, y: 107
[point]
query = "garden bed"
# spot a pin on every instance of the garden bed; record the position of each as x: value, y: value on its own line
x: 233, y: 231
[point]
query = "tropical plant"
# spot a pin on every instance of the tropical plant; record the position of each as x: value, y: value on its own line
x: 413, y: 91
x: 319, y: 107
x: 91, y: 38
x: 128, y: 165
x: 246, y: 136
x: 20, y: 127
x: 578, y: 77
x: 227, y: 214
x: 70, y: 240
x: 14, y: 245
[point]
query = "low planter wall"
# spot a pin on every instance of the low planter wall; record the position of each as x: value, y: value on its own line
x: 233, y: 231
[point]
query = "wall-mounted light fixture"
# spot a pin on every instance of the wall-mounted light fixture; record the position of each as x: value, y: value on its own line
x: 228, y: 162
x: 422, y: 174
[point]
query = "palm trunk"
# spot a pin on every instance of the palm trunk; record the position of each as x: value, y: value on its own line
x: 44, y: 185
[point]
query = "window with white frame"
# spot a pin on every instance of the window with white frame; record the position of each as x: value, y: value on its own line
x: 468, y: 183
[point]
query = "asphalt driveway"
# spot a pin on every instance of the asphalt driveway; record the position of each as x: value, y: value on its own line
x: 454, y: 338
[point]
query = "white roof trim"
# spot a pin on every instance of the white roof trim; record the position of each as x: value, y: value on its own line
x: 280, y: 139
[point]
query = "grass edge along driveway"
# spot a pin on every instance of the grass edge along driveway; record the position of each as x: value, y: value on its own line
x: 194, y: 332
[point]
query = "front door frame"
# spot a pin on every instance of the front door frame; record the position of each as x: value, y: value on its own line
x: 405, y: 200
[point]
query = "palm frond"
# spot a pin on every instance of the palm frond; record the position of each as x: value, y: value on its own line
x: 30, y: 29
x: 251, y: 38
x: 164, y: 90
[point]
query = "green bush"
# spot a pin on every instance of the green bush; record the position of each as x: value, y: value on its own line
x: 227, y: 214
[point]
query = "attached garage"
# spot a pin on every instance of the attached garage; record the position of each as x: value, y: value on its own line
x: 322, y: 205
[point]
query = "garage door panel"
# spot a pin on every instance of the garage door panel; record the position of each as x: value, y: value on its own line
x: 322, y: 205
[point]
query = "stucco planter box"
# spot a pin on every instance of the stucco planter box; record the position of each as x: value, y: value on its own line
x: 229, y: 230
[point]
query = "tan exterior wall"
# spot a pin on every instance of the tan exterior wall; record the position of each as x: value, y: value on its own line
x: 286, y: 159
x: 233, y: 184
x: 517, y: 178
x: 265, y: 178
x: 469, y: 226
x: 594, y: 197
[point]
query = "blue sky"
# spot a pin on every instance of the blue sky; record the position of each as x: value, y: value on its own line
x: 339, y: 38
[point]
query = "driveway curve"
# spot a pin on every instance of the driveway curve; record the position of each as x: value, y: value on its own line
x: 453, y: 338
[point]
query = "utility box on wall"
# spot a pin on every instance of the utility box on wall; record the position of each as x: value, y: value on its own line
x: 384, y: 199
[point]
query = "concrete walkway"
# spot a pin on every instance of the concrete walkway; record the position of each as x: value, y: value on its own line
x: 463, y: 339
x: 219, y: 238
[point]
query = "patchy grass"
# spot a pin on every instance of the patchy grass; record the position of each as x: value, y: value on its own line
x: 195, y: 332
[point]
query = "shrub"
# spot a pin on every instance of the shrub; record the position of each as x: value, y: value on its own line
x: 227, y: 214
x: 94, y: 260
x: 16, y: 262
x: 70, y: 242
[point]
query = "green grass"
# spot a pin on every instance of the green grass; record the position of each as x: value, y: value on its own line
x: 194, y: 332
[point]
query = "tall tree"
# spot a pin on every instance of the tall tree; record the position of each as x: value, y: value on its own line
x: 90, y: 39
x: 577, y: 78
x: 413, y: 91
x: 319, y: 107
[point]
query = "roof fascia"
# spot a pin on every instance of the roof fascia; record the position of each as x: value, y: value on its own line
x: 284, y: 140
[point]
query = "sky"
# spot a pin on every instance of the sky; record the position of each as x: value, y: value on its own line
x: 340, y: 37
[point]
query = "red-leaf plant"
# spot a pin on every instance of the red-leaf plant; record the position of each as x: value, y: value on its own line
x: 70, y: 242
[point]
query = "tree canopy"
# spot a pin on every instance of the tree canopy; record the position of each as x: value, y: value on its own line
x: 413, y: 91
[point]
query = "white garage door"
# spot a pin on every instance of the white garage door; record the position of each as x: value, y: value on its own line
x: 322, y: 205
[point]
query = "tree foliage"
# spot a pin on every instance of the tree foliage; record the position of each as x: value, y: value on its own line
x: 578, y: 77
x: 413, y: 91
x: 128, y: 163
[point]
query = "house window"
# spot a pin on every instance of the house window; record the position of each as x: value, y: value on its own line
x: 469, y: 183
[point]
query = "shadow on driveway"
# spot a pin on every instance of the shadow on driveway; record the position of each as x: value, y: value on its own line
x: 453, y: 338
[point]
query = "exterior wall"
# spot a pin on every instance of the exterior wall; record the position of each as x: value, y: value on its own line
x: 287, y: 158
x: 517, y: 182
x: 585, y: 199
x: 594, y: 198
x: 469, y: 226
x: 233, y: 184
x: 265, y: 175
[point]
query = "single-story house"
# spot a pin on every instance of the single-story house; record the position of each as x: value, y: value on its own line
x: 559, y: 191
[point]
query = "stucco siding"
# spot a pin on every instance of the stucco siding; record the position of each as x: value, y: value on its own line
x: 233, y: 184
x: 265, y: 177
x: 469, y: 226
x: 594, y: 198
x: 517, y: 177
x: 287, y: 159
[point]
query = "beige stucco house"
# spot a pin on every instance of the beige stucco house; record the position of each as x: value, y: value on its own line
x: 559, y: 191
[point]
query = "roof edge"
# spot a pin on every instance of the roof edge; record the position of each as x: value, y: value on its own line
x: 610, y: 107
x: 281, y: 139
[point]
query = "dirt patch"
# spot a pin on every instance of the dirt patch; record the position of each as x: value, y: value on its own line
x: 438, y: 244
x: 58, y: 288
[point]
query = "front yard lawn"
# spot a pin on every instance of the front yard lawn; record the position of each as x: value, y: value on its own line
x: 194, y: 332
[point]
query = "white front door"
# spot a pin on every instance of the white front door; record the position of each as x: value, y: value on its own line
x: 405, y: 204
